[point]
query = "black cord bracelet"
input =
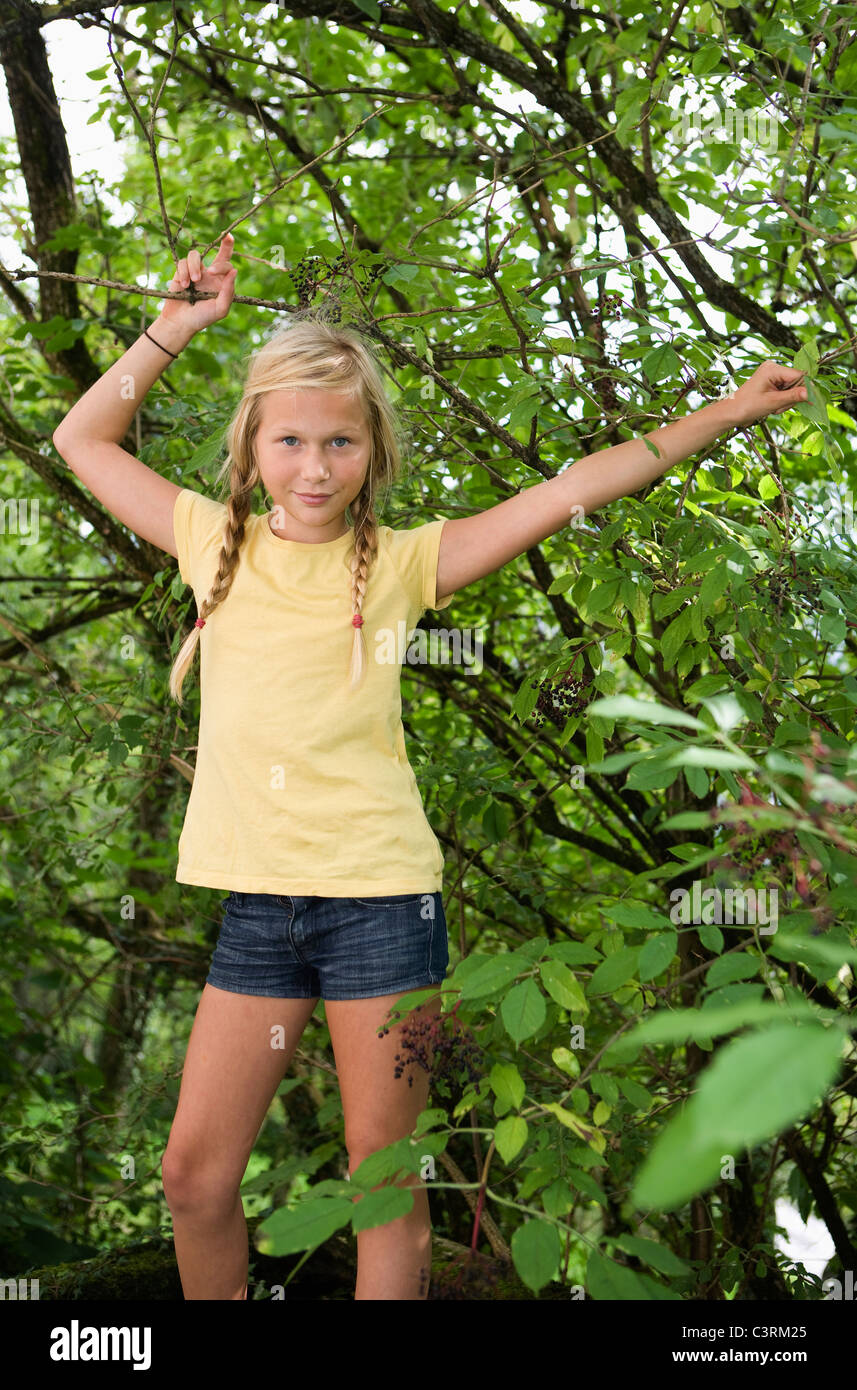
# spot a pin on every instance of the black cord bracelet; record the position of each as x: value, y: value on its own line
x: 157, y: 344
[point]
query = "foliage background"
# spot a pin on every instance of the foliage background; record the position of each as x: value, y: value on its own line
x: 508, y: 204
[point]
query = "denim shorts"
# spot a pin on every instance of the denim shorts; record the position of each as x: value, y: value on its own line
x: 331, y: 948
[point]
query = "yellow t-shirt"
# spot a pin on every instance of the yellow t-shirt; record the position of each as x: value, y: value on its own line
x: 303, y: 785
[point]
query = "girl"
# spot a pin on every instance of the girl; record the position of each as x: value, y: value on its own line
x: 303, y: 804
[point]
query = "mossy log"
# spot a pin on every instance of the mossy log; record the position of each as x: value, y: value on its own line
x: 147, y: 1270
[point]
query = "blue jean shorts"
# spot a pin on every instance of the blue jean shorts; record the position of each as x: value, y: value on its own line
x: 331, y: 948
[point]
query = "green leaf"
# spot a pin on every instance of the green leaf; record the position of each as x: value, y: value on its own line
x: 388, y: 1162
x: 602, y: 596
x: 428, y: 1119
x: 731, y: 968
x: 832, y: 628
x: 303, y: 1227
x: 679, y: 1025
x: 694, y: 756
x: 660, y: 363
x: 508, y: 1086
x: 523, y: 1011
x: 594, y: 746
x: 614, y: 970
x: 726, y: 711
x: 606, y: 1280
x: 574, y: 953
x: 706, y: 685
x: 558, y: 1199
x: 117, y: 753
x: 379, y: 1207
x: 713, y: 585
x: 660, y: 1257
x: 664, y: 604
x: 524, y: 411
x: 490, y: 977
x: 510, y: 1136
x: 674, y: 637
x: 635, y: 1093
x: 697, y: 780
x: 656, y: 955
x: 618, y: 761
x: 205, y: 453
x: 628, y: 914
x: 562, y: 986
x: 753, y: 1089
x: 526, y: 698
x: 814, y: 950
x: 536, y: 1252
x: 706, y: 58
x: 653, y: 774
x: 568, y: 1119
x: 642, y: 711
x: 399, y: 274
x: 815, y: 408
x: 710, y: 935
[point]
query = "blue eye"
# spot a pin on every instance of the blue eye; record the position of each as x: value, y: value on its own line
x: 294, y: 436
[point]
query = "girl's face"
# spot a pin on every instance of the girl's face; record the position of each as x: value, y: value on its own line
x: 312, y: 444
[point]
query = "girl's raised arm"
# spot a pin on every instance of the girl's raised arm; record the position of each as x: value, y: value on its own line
x: 87, y: 438
x: 473, y: 546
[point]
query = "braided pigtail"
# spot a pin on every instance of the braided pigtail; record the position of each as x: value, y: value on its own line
x: 237, y: 511
x: 365, y: 550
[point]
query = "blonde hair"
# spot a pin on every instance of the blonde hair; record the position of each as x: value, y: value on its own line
x: 309, y: 352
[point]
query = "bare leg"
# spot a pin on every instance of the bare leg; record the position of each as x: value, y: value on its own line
x: 393, y: 1261
x: 235, y: 1062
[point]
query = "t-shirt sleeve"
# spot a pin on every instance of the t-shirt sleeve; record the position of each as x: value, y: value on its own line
x: 415, y: 555
x: 198, y: 526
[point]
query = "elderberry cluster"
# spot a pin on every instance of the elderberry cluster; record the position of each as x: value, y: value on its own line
x: 610, y: 306
x: 305, y: 278
x: 443, y: 1047
x: 559, y: 700
x: 789, y: 591
x: 312, y: 271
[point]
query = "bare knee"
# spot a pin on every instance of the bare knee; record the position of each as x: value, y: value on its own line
x: 191, y: 1186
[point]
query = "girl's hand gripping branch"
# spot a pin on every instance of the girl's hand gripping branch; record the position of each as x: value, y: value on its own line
x: 218, y: 279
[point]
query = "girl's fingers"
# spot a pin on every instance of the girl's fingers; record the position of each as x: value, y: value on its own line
x: 227, y: 290
x: 224, y: 251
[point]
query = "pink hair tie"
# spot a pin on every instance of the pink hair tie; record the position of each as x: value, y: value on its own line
x: 200, y: 622
x: 356, y: 621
